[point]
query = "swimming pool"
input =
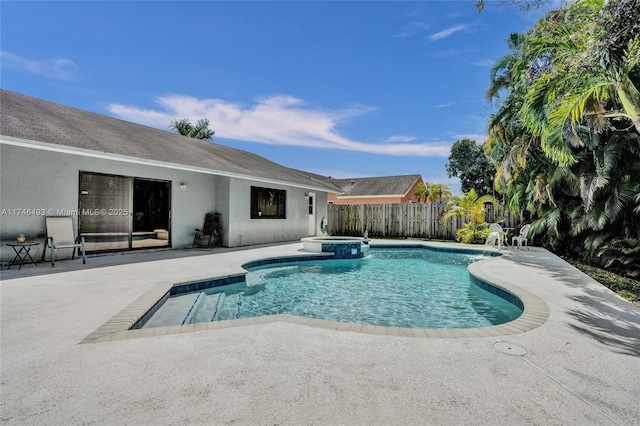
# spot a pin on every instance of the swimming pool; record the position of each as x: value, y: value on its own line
x: 397, y: 287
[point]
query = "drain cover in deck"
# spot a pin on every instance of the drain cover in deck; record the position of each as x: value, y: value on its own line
x: 510, y: 348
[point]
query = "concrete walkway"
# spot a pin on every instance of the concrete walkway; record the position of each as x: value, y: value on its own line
x: 581, y: 367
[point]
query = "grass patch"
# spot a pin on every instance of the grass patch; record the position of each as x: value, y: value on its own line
x: 627, y: 288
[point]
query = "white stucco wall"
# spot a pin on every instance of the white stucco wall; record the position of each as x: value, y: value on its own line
x: 243, y: 230
x: 222, y: 205
x: 46, y: 181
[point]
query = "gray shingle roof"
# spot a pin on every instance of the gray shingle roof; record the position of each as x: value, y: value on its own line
x: 377, y: 186
x: 37, y: 120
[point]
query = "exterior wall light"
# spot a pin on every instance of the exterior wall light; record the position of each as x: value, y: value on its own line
x: 183, y: 186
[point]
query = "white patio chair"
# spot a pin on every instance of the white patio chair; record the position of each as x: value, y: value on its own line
x: 522, y: 237
x: 60, y: 235
x: 496, y: 236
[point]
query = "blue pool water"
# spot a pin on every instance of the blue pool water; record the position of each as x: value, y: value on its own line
x: 414, y: 288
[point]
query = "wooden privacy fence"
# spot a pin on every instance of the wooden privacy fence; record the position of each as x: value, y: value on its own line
x: 417, y: 220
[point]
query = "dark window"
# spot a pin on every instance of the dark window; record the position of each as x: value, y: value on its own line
x: 123, y: 212
x: 267, y: 203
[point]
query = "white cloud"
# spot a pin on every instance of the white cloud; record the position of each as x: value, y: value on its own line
x: 447, y: 32
x: 477, y: 137
x: 400, y: 138
x: 276, y: 120
x: 485, y: 63
x: 449, y: 104
x: 58, y: 69
x: 411, y: 29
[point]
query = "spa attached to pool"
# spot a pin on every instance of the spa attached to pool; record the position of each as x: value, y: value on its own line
x: 343, y: 247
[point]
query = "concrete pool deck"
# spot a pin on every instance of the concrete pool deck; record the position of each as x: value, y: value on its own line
x: 581, y: 366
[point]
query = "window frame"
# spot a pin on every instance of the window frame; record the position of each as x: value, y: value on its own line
x: 279, y: 203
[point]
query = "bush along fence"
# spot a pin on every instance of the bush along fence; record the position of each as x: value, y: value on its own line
x: 408, y: 220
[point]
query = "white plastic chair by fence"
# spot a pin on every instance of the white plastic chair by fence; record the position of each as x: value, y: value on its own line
x: 522, y: 238
x: 496, y: 236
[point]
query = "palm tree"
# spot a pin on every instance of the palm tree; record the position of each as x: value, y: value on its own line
x: 421, y: 193
x: 589, y: 63
x: 432, y: 192
x: 509, y: 143
x: 566, y: 140
x: 436, y: 191
x: 472, y: 208
x: 198, y: 131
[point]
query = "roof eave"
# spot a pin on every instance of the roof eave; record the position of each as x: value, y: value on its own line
x: 45, y: 146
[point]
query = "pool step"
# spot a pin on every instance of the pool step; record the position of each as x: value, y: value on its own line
x: 174, y: 311
x: 209, y: 309
x: 232, y: 307
x: 197, y: 307
x: 216, y: 307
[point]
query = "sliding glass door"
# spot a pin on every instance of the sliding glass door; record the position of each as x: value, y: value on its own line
x: 151, y: 213
x: 105, y: 211
x: 122, y: 212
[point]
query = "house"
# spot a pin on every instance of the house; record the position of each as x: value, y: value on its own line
x: 128, y: 186
x: 376, y: 190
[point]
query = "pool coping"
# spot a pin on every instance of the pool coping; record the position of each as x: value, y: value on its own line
x: 535, y: 313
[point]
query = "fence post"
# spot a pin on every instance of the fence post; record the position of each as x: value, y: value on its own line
x: 384, y: 225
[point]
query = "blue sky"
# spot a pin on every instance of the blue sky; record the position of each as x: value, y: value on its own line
x: 343, y: 89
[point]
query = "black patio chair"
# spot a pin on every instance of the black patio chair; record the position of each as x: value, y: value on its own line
x: 209, y: 235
